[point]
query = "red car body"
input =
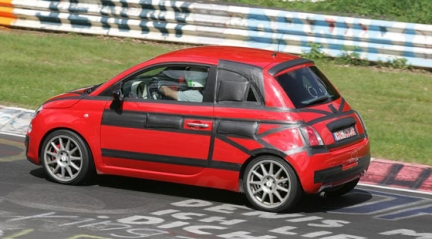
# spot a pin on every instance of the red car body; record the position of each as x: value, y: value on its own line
x: 247, y: 113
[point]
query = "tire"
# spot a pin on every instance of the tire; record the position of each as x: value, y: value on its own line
x: 342, y: 189
x: 66, y: 158
x: 270, y: 184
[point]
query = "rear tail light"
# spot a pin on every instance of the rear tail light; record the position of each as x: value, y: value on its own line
x: 311, y: 136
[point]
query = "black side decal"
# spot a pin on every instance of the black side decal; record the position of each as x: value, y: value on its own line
x: 327, y: 115
x: 142, y: 120
x: 234, y: 144
x: 126, y: 119
x: 333, y: 109
x: 164, y: 121
x: 245, y: 129
x: 267, y: 148
x: 342, y: 105
x: 330, y: 117
x: 275, y: 130
x: 225, y: 166
x: 212, y: 141
x: 169, y: 159
x: 153, y: 158
x: 323, y: 112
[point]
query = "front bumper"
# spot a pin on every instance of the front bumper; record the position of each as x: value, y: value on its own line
x: 28, y: 151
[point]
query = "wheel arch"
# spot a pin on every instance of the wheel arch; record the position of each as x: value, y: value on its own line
x: 68, y: 129
x: 261, y: 153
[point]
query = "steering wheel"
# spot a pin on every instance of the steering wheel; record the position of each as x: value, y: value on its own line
x: 153, y: 91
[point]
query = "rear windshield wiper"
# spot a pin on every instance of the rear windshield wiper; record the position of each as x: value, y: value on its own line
x: 319, y: 99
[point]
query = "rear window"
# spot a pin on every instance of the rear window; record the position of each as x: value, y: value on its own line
x: 307, y: 86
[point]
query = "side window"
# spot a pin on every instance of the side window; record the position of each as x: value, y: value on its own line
x: 170, y: 82
x: 234, y: 87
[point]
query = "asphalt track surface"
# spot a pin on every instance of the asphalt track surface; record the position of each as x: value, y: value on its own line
x: 118, y: 207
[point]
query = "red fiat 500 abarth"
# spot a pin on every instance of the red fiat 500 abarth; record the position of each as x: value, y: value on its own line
x: 267, y: 124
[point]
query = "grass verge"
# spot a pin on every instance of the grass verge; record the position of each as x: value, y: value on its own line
x: 396, y: 105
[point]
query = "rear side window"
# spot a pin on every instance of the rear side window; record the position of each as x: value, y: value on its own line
x: 307, y: 86
x: 234, y: 87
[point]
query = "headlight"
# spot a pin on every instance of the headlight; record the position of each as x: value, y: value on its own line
x: 29, y: 128
x: 38, y: 110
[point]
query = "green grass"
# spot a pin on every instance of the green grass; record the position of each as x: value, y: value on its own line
x: 396, y: 105
x: 35, y: 66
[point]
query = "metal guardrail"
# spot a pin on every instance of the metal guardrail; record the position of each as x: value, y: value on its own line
x: 219, y: 24
x: 14, y: 120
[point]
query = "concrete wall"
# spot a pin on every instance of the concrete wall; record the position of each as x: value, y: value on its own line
x: 220, y: 24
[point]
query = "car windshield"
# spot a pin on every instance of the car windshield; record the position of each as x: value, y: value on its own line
x: 307, y: 86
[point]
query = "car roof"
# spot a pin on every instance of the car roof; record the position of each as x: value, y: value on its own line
x: 213, y: 54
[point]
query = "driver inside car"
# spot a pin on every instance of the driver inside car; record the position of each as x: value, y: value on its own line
x: 195, y: 80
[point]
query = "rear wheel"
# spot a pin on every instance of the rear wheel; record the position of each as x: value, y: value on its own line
x: 271, y: 184
x: 66, y: 158
x: 342, y: 189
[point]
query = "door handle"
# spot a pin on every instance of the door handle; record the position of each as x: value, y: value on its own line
x: 198, y: 125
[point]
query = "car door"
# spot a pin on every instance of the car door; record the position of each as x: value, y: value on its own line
x: 150, y: 132
x: 239, y: 107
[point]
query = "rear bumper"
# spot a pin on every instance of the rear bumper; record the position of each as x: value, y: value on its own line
x: 321, y: 170
x: 337, y: 174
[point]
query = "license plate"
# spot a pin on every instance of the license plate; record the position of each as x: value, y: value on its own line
x: 345, y: 133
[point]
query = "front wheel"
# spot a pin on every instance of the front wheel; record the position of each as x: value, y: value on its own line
x: 66, y: 158
x: 271, y: 184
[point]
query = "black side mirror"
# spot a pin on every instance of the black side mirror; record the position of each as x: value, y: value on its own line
x: 117, y: 101
x: 118, y: 95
